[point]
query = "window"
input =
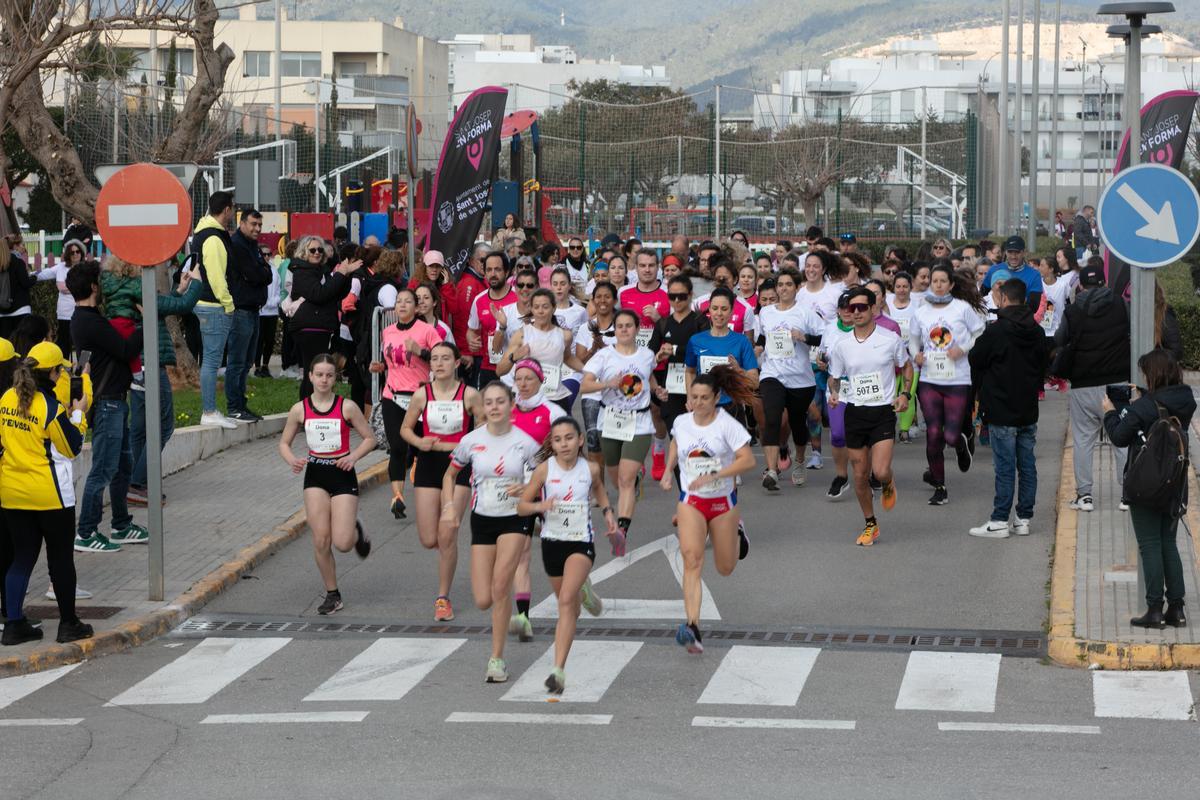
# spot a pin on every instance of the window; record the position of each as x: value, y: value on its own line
x: 881, y: 108
x: 352, y: 68
x: 300, y: 65
x: 908, y: 102
x: 185, y: 61
x: 257, y: 64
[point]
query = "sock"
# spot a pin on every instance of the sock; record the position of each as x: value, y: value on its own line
x: 871, y: 521
x: 660, y: 444
x: 624, y: 522
x: 695, y: 630
x: 334, y: 593
x: 522, y: 599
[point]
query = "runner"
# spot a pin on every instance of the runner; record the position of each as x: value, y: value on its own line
x: 431, y: 310
x: 566, y: 484
x: 868, y: 357
x: 482, y: 323
x: 719, y: 344
x: 711, y: 449
x: 624, y: 376
x: 510, y: 320
x: 599, y: 333
x: 447, y: 409
x: 540, y: 338
x: 571, y: 316
x: 944, y: 327
x: 648, y: 299
x: 741, y: 319
x: 902, y: 306
x: 1056, y: 296
x: 748, y: 285
x: 823, y: 273
x: 669, y: 343
x: 497, y: 455
x: 330, y: 483
x: 834, y: 332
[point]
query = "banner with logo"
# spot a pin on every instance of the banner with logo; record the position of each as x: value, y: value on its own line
x: 1166, y: 122
x: 463, y: 184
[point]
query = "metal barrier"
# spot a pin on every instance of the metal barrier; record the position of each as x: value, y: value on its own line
x: 380, y: 319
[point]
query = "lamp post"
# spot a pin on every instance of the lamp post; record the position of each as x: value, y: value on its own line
x: 1036, y: 69
x: 1082, y: 123
x: 1054, y: 111
x: 1002, y: 151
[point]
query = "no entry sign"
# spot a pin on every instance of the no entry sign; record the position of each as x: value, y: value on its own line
x: 144, y: 214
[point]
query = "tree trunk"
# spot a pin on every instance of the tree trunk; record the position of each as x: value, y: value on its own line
x: 808, y: 202
x: 211, y: 65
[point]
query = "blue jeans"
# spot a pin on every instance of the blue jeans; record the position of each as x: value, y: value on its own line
x: 215, y: 325
x: 243, y: 346
x: 1013, y: 459
x: 137, y: 425
x: 111, y: 465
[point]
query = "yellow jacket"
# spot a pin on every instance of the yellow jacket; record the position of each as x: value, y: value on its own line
x: 215, y: 262
x: 30, y: 478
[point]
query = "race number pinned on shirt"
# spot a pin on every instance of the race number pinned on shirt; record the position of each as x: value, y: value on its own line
x: 866, y: 388
x: 402, y: 400
x: 324, y: 436
x: 905, y: 327
x: 619, y: 425
x: 567, y: 522
x: 444, y: 417
x: 814, y: 354
x: 643, y: 336
x: 939, y: 366
x: 676, y: 380
x: 553, y: 377
x: 1048, y: 320
x: 493, y: 499
x: 708, y: 362
x: 496, y: 358
x: 779, y: 344
x: 705, y: 465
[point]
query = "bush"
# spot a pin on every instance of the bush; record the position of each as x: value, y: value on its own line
x: 1176, y: 281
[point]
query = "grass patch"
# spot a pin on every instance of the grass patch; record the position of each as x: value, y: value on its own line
x: 263, y: 395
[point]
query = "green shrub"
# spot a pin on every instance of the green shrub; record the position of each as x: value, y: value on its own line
x: 1176, y: 281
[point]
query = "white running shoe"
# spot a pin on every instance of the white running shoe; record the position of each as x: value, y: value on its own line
x: 991, y: 530
x: 1082, y: 502
x: 218, y: 419
x: 814, y: 461
x: 80, y: 594
x: 799, y: 476
x: 1020, y: 527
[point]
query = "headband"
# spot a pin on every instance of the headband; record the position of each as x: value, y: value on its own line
x: 530, y: 364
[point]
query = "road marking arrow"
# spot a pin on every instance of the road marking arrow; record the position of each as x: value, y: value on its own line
x: 1160, y: 225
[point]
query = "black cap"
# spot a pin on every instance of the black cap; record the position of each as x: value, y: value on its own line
x: 848, y: 237
x: 1091, y: 276
x: 1014, y: 243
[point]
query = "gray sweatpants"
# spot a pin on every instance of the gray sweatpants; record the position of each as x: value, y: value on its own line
x: 1087, y: 417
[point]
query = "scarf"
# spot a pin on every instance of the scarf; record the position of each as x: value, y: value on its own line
x: 527, y: 404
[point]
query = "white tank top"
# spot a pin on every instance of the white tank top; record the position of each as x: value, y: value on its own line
x: 547, y: 347
x: 571, y: 518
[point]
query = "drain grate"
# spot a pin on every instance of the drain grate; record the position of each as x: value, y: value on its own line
x: 1011, y: 643
x: 84, y: 611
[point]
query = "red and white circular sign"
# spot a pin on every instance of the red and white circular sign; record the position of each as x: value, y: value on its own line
x: 144, y: 214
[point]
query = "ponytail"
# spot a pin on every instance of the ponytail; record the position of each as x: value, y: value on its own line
x: 547, y: 449
x: 27, y: 382
x: 733, y: 382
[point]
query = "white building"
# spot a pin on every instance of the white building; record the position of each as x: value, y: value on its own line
x: 535, y: 75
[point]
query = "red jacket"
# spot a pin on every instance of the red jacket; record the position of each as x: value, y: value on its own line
x: 469, y: 286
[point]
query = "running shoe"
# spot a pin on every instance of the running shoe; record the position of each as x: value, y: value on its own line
x: 963, y: 451
x: 1081, y: 502
x: 331, y: 605
x: 799, y: 476
x: 688, y: 637
x: 743, y: 542
x: 903, y: 437
x: 990, y: 530
x: 869, y: 535
x: 19, y: 631
x: 497, y: 671
x: 969, y: 435
x: 556, y: 682
x: 1122, y: 506
x: 814, y: 461
x: 442, y: 610
x: 940, y: 496
x: 770, y: 480
x: 130, y: 534
x: 398, y: 506
x: 590, y: 600
x: 521, y: 627
x: 889, y: 495
x: 838, y: 487
x: 1020, y: 527
x: 618, y: 542
x: 362, y: 544
x: 785, y: 459
x: 80, y: 594
x: 658, y: 465
x: 96, y: 543
x: 73, y: 631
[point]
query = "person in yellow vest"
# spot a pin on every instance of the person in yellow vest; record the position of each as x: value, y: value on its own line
x: 36, y: 492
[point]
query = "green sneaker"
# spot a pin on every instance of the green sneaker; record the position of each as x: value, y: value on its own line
x: 131, y: 534
x: 557, y: 681
x: 591, y: 601
x: 521, y: 626
x: 96, y: 543
x: 497, y: 671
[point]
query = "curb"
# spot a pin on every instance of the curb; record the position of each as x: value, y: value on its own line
x: 1063, y: 646
x: 150, y: 626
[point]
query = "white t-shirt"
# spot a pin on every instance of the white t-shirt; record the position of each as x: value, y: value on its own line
x: 936, y: 329
x: 1057, y: 296
x: 496, y: 462
x: 793, y: 370
x: 571, y: 518
x: 824, y: 302
x: 903, y: 316
x: 705, y: 450
x: 65, y: 308
x: 572, y: 316
x: 585, y: 338
x: 868, y: 368
x: 634, y: 371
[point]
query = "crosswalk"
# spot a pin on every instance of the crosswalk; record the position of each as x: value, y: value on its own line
x: 601, y: 674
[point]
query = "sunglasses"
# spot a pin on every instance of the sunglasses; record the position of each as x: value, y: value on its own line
x: 526, y: 285
x: 575, y: 247
x: 858, y: 308
x: 677, y: 296
x: 315, y: 250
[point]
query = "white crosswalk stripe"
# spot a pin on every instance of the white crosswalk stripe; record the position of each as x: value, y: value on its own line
x: 949, y: 682
x: 760, y: 676
x: 1142, y: 695
x: 592, y: 668
x: 201, y: 672
x: 13, y: 689
x: 387, y: 670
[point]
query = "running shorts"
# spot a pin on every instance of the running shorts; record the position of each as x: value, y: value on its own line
x: 431, y: 468
x: 323, y: 474
x: 712, y: 507
x: 869, y: 425
x: 487, y: 530
x: 556, y: 553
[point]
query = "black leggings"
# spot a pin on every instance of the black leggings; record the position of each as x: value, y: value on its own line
x: 310, y: 344
x: 266, y: 339
x: 352, y: 373
x: 777, y: 398
x: 393, y: 417
x: 27, y: 530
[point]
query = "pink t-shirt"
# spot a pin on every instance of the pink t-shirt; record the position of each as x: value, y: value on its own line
x: 743, y: 312
x: 636, y: 300
x: 406, y: 371
x: 482, y: 321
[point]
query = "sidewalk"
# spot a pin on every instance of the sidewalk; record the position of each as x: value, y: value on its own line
x: 223, y: 515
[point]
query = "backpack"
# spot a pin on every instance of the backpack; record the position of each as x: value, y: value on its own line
x: 1156, y: 476
x: 5, y: 292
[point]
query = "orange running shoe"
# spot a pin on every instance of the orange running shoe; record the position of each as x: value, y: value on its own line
x: 889, y: 495
x: 869, y: 535
x: 442, y: 610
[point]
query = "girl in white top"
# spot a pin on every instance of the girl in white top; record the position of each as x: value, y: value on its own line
x: 711, y: 449
x: 429, y: 308
x: 566, y: 484
x: 571, y: 315
x: 1057, y: 294
x: 541, y: 339
x: 823, y: 273
x: 497, y: 454
x: 903, y: 307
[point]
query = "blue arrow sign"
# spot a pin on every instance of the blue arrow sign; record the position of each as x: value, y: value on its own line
x: 1149, y: 215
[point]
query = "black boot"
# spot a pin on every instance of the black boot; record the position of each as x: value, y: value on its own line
x: 1174, y: 616
x: 19, y: 631
x: 1153, y: 618
x: 73, y: 630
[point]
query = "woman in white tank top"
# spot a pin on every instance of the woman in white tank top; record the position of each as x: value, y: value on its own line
x: 542, y: 340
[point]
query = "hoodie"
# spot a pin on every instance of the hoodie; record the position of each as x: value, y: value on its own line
x: 1094, y: 340
x: 1008, y: 364
x: 211, y: 246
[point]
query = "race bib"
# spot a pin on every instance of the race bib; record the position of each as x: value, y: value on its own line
x: 779, y: 344
x: 444, y: 417
x: 402, y: 400
x: 324, y: 436
x: 493, y: 500
x: 938, y: 366
x: 905, y: 326
x: 676, y: 382
x: 567, y: 522
x: 643, y: 336
x: 866, y: 388
x: 814, y: 353
x: 619, y: 425
x: 1048, y: 320
x: 553, y: 377
x: 496, y: 358
x: 708, y: 362
x: 706, y: 465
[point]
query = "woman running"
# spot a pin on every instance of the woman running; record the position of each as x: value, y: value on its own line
x: 330, y: 483
x: 430, y: 310
x: 567, y: 483
x: 541, y: 339
x: 823, y: 275
x: 447, y: 409
x: 571, y: 315
x: 496, y: 454
x: 711, y: 449
x: 405, y: 348
x: 748, y: 285
x: 943, y: 330
x: 595, y: 336
x: 624, y: 376
x: 1056, y: 295
x: 902, y: 306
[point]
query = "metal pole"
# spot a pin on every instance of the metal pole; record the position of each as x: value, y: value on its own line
x: 1035, y: 67
x: 1054, y: 116
x: 1002, y: 176
x: 1019, y: 113
x: 154, y: 517
x: 716, y: 207
x: 412, y: 236
x: 116, y: 157
x: 1142, y: 290
x: 924, y: 162
x: 276, y: 68
x: 1082, y: 123
x: 317, y: 150
x: 256, y: 205
x: 583, y: 162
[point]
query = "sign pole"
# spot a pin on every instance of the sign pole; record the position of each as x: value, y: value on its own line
x: 1142, y: 290
x: 154, y: 520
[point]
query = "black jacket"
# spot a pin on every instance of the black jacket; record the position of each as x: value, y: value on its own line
x: 111, y: 353
x: 1125, y: 425
x: 248, y: 273
x: 1172, y: 339
x: 20, y: 281
x: 1093, y: 340
x: 1008, y: 365
x: 198, y: 239
x: 1081, y: 230
x: 322, y: 290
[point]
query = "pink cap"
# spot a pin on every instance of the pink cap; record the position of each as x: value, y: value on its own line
x: 433, y: 257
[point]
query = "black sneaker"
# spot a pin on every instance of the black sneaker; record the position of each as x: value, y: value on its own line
x: 927, y: 477
x: 969, y: 435
x: 838, y: 487
x: 362, y: 545
x: 73, y: 631
x: 963, y: 450
x: 940, y: 497
x: 398, y: 507
x: 19, y: 631
x: 743, y: 542
x: 262, y: 372
x: 331, y: 605
x: 245, y: 415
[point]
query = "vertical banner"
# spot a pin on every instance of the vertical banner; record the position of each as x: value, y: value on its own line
x: 1166, y: 122
x: 463, y: 183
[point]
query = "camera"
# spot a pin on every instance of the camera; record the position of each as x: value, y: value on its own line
x: 83, y: 356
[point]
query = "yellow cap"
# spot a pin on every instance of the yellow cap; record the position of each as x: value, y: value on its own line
x: 46, y: 355
x: 7, y: 351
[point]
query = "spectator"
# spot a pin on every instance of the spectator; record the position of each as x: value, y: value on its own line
x: 1093, y: 352
x: 470, y: 285
x: 1086, y: 243
x: 74, y: 252
x: 432, y: 270
x: 268, y: 319
x: 1166, y: 326
x: 112, y: 459
x: 121, y: 288
x: 249, y: 277
x: 1008, y: 361
x: 509, y: 230
x: 289, y: 364
x: 1060, y: 226
x: 15, y: 283
x: 1015, y: 264
x: 314, y: 299
x: 78, y: 231
x: 374, y: 286
x: 211, y: 248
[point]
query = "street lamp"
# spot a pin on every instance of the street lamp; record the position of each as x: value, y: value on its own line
x: 314, y: 88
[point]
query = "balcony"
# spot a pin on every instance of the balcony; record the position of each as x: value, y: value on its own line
x: 373, y: 90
